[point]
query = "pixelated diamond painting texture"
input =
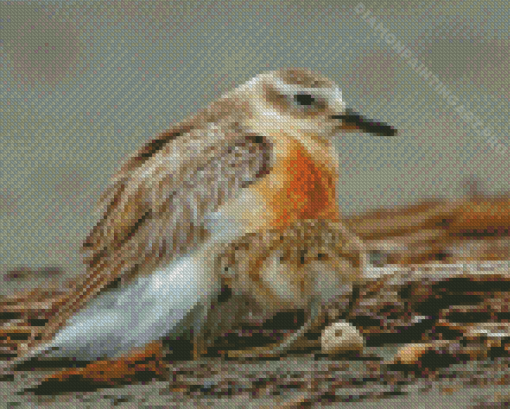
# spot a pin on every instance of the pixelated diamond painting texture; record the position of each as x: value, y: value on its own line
x: 84, y: 83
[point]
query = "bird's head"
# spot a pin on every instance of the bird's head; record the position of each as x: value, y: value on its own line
x: 305, y: 104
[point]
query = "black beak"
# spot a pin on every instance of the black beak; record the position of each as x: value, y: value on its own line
x: 353, y: 120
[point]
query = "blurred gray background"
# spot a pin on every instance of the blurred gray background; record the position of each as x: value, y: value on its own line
x: 85, y: 83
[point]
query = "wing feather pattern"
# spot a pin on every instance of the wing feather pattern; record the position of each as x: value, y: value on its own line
x: 154, y: 209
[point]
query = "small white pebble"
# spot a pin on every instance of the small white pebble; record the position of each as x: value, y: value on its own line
x: 341, y: 338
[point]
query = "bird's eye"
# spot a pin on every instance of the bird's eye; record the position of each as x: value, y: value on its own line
x: 304, y: 99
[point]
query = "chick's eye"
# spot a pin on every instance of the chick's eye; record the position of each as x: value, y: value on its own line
x: 304, y: 99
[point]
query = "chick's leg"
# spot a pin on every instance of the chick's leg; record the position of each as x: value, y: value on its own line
x: 317, y: 314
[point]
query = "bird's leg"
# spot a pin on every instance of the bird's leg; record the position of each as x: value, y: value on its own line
x: 199, y: 339
x: 317, y: 314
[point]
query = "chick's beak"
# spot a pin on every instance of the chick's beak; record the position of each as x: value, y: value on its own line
x: 354, y: 121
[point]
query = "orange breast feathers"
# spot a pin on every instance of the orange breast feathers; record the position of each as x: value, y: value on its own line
x: 300, y: 187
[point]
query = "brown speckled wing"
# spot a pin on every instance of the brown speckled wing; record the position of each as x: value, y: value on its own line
x: 155, y: 207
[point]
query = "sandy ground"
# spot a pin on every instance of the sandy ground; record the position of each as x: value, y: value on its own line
x: 309, y: 378
x: 313, y: 379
